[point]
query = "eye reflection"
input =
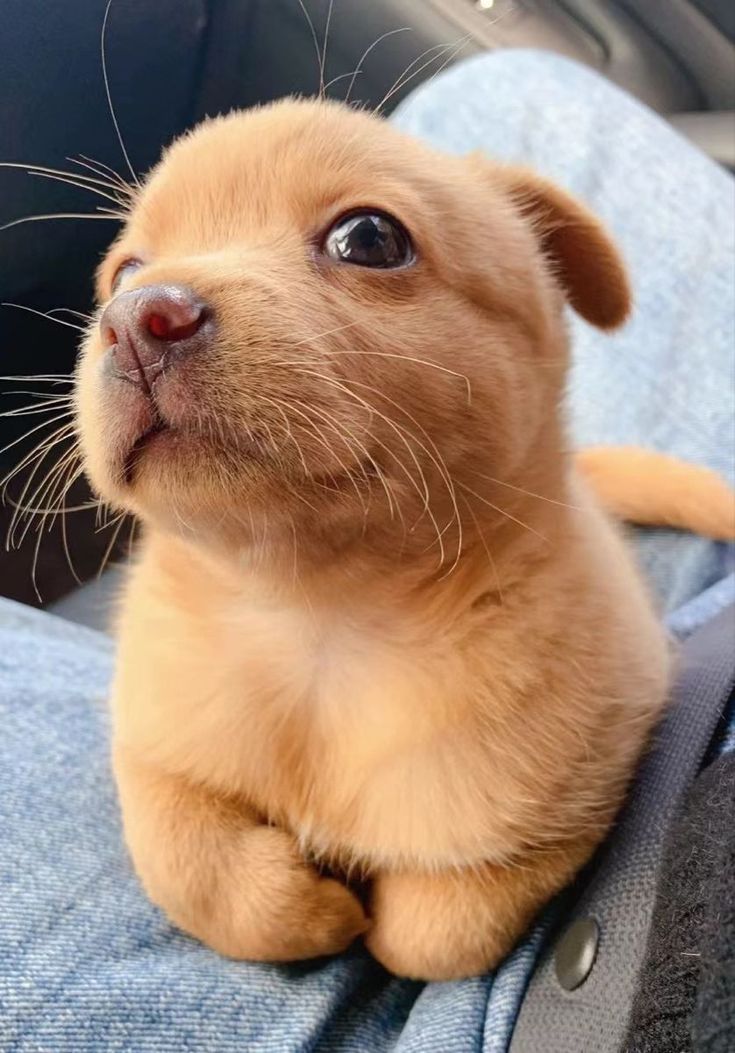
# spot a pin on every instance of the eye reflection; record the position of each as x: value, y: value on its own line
x: 369, y: 239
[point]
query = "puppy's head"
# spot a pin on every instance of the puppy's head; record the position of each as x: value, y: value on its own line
x: 312, y: 323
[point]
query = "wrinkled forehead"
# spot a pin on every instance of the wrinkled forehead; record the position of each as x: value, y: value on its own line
x: 290, y: 166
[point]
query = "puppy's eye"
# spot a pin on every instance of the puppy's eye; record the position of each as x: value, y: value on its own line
x: 126, y: 268
x: 369, y: 239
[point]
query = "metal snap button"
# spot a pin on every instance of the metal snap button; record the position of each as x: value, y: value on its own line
x: 575, y: 952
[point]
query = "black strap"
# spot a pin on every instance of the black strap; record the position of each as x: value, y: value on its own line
x: 620, y: 893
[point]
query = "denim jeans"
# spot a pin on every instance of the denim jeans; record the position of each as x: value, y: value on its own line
x: 87, y: 964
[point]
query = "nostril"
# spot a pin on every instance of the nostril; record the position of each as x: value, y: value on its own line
x: 109, y: 336
x: 159, y: 326
x: 178, y: 324
x: 146, y: 331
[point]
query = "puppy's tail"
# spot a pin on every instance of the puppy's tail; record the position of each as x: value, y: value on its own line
x: 654, y: 489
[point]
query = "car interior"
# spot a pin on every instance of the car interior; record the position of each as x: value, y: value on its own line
x: 677, y: 56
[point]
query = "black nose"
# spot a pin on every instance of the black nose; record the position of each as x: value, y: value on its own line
x: 146, y: 328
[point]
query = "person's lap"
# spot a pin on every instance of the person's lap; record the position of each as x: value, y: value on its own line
x: 88, y: 964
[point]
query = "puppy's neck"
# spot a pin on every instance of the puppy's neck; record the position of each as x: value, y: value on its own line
x: 506, y: 534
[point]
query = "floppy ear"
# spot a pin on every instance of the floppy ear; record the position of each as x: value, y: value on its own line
x: 582, y: 254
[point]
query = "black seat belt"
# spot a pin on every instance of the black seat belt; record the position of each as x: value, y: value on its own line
x: 611, y: 918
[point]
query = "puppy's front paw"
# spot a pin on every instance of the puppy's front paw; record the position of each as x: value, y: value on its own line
x: 445, y: 925
x: 332, y: 918
x: 432, y: 927
x: 279, y: 908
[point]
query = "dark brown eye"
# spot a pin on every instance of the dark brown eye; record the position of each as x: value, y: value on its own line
x: 369, y: 239
x: 126, y: 268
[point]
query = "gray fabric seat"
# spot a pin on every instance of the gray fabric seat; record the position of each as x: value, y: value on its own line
x: 92, y: 604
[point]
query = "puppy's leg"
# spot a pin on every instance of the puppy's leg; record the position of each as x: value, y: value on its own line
x: 450, y: 924
x: 239, y: 886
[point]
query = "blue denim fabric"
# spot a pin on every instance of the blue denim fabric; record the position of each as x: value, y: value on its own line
x: 87, y: 965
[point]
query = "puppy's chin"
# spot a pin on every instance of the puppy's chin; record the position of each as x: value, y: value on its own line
x: 253, y: 514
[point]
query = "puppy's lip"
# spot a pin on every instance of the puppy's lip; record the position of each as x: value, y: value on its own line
x: 144, y: 440
x: 162, y: 435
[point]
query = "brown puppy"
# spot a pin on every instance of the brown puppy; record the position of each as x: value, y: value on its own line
x: 376, y: 619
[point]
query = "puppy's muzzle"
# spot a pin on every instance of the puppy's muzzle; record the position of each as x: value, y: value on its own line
x: 147, y: 330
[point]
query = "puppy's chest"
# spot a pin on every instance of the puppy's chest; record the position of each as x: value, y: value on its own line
x: 349, y: 734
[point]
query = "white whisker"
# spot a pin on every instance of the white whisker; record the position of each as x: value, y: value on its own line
x: 346, y: 470
x: 49, y: 378
x: 62, y: 215
x: 323, y: 60
x: 423, y: 488
x: 319, y: 336
x: 312, y: 31
x: 31, y: 169
x: 43, y: 424
x: 485, y: 545
x: 49, y: 404
x: 358, y: 68
x: 502, y: 511
x: 103, y: 57
x: 84, y: 315
x: 115, y: 535
x: 80, y: 185
x: 400, y: 358
x: 403, y: 79
x: 100, y: 169
x: 44, y: 314
x: 529, y: 493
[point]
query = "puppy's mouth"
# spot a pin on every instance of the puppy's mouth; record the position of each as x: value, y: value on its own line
x: 158, y: 428
x: 162, y: 439
x: 155, y: 439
